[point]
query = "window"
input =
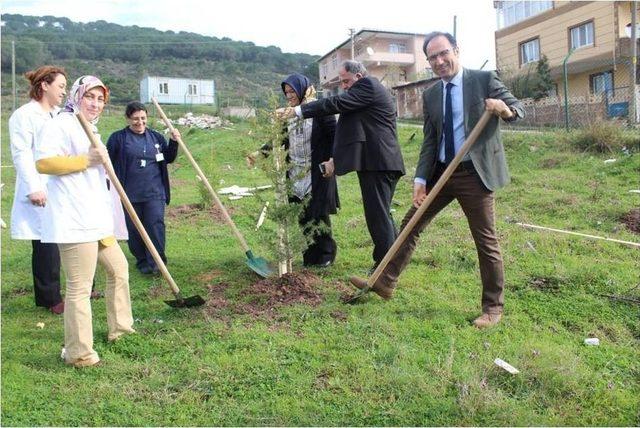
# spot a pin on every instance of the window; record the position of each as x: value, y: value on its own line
x: 397, y: 48
x: 193, y: 89
x: 582, y: 35
x: 334, y: 61
x: 601, y: 83
x: 164, y: 88
x: 512, y: 12
x: 529, y: 51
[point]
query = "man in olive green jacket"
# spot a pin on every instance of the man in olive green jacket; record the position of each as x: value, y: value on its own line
x: 452, y: 108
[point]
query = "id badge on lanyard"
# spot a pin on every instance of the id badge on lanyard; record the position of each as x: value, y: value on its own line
x: 159, y: 155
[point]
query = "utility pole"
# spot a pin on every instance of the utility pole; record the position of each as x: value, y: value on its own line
x: 13, y: 72
x: 633, y: 114
x: 455, y: 26
x: 352, y: 33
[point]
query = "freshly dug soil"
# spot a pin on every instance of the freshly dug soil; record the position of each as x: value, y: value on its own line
x: 632, y: 220
x: 263, y: 297
x: 192, y: 210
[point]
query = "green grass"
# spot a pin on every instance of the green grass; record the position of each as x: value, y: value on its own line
x: 414, y: 360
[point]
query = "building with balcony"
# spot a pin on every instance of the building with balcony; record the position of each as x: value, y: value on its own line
x: 593, y: 37
x: 392, y: 57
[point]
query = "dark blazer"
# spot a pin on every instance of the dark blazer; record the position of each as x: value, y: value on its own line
x: 487, y: 154
x: 115, y: 147
x: 366, y: 137
x: 324, y: 191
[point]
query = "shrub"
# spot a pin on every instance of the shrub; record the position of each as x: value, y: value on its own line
x: 602, y: 137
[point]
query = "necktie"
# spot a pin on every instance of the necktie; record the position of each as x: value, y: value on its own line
x: 449, y: 148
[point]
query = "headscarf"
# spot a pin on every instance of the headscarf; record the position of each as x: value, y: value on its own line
x: 302, y: 87
x: 80, y: 87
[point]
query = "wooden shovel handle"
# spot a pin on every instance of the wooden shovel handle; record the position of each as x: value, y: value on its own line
x: 127, y: 204
x: 213, y: 194
x: 430, y: 197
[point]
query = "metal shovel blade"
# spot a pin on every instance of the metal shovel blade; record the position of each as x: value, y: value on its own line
x: 354, y: 299
x: 188, y: 302
x: 259, y: 265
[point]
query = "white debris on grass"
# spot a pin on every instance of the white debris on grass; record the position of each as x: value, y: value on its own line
x: 202, y: 121
x: 634, y: 191
x: 592, y: 341
x: 40, y: 325
x: 263, y: 215
x: 236, y: 192
x: 506, y: 366
x: 610, y: 160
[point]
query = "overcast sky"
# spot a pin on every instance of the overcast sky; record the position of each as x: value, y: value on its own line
x: 313, y: 27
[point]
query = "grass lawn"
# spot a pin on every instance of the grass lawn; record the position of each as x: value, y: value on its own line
x: 414, y: 360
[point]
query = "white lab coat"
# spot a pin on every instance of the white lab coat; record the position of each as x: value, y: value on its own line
x: 79, y: 206
x: 24, y: 125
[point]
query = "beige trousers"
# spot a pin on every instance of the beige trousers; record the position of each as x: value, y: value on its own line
x: 79, y: 264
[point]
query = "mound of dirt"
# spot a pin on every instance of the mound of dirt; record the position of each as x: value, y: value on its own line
x: 291, y: 288
x: 263, y: 297
x: 632, y: 220
x: 191, y: 210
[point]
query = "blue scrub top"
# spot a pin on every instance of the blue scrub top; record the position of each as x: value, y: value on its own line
x: 144, y: 178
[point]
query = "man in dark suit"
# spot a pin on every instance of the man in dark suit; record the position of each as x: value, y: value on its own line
x: 451, y: 110
x: 366, y: 141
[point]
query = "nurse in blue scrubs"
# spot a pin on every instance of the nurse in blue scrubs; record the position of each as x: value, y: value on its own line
x: 140, y: 156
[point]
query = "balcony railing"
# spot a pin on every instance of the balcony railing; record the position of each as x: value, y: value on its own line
x: 386, y: 58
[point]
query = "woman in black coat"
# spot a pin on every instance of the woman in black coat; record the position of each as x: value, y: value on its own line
x: 310, y: 145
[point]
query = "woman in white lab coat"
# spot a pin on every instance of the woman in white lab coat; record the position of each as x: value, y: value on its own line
x: 79, y: 217
x: 47, y: 90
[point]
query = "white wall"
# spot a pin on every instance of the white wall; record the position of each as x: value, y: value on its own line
x: 170, y: 90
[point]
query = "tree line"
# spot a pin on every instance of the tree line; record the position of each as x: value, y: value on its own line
x: 124, y: 54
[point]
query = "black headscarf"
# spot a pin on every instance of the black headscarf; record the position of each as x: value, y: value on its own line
x: 299, y: 83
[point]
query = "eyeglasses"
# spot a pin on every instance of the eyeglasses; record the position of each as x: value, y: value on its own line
x: 441, y: 54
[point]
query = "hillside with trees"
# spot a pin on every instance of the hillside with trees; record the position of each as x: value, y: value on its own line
x: 122, y: 55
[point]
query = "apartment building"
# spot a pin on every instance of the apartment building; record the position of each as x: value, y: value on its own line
x: 392, y: 57
x: 593, y: 37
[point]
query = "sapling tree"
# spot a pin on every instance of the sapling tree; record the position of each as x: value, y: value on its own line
x: 269, y: 131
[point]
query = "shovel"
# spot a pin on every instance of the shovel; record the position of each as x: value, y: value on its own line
x: 180, y: 301
x: 257, y: 264
x: 423, y: 207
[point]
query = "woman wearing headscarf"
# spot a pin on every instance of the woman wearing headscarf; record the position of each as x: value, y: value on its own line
x: 48, y: 86
x: 140, y: 156
x: 79, y: 218
x: 310, y: 147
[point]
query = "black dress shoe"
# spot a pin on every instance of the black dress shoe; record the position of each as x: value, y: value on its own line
x: 145, y: 270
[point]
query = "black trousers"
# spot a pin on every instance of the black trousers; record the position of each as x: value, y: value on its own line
x: 323, y: 248
x: 377, y: 188
x: 45, y: 266
x: 151, y: 214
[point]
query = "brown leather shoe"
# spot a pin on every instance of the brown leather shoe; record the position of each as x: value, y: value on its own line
x: 385, y: 292
x: 487, y: 320
x: 57, y: 309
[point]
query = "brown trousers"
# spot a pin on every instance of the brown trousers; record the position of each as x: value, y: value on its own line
x: 478, y: 205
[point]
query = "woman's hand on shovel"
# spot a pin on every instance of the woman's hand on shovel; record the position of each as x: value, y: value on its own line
x: 97, y: 155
